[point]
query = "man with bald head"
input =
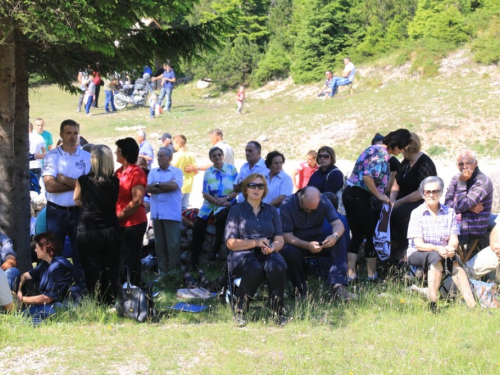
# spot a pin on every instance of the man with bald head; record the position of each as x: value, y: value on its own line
x: 470, y: 193
x: 302, y: 215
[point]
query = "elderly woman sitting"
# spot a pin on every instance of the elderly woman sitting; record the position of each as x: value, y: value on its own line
x: 54, y: 276
x: 433, y: 240
x: 254, y: 237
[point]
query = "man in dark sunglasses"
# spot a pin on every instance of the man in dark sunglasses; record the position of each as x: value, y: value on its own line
x: 302, y: 215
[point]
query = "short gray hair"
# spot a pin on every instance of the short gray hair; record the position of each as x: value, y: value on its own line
x: 142, y: 134
x: 166, y: 150
x: 429, y: 180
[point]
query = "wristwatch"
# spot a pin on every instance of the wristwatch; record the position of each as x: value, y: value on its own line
x: 336, y: 236
x: 157, y: 184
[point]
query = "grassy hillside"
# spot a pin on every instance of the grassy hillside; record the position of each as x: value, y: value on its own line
x: 448, y: 113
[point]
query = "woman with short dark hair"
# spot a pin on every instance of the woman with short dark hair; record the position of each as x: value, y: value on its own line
x: 369, y: 177
x: 280, y: 184
x: 55, y: 277
x: 130, y: 207
x: 328, y: 177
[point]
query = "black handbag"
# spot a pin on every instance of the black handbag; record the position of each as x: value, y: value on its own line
x: 134, y: 302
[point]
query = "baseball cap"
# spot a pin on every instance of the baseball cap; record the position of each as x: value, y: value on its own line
x: 165, y: 136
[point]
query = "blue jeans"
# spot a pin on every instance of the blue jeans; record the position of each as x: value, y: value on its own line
x: 336, y: 82
x: 168, y: 93
x: 109, y: 99
x: 62, y: 223
x: 13, y: 277
x: 87, y: 106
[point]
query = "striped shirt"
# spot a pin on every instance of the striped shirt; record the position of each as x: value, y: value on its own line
x: 463, y: 195
x: 433, y: 230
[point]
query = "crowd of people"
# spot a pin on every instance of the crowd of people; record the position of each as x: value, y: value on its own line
x: 268, y: 229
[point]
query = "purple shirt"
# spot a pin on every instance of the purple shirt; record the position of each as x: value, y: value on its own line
x: 373, y: 162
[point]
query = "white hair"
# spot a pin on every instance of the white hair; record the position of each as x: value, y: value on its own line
x: 141, y: 134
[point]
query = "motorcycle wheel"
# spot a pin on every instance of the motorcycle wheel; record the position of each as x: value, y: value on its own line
x: 120, y: 104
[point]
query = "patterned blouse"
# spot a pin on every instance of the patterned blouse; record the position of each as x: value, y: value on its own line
x: 217, y: 183
x: 373, y: 162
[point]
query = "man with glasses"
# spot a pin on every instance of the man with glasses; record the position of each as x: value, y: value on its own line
x: 254, y: 164
x: 470, y: 194
x: 302, y: 215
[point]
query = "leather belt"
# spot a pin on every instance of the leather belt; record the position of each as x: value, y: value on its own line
x: 71, y: 208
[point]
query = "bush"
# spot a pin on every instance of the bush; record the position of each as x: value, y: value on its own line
x: 486, y: 47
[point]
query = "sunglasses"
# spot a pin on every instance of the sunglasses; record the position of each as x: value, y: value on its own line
x: 323, y: 156
x: 253, y: 185
x: 431, y: 192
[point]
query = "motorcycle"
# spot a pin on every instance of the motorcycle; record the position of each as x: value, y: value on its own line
x: 135, y: 94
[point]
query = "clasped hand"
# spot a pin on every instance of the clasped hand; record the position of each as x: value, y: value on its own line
x: 446, y: 251
x: 265, y: 246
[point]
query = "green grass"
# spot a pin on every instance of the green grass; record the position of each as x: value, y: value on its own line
x: 393, y: 333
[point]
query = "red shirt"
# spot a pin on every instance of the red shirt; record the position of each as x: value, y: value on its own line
x: 240, y: 96
x: 305, y: 172
x: 129, y: 178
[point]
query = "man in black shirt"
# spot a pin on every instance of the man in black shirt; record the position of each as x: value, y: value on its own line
x: 302, y: 215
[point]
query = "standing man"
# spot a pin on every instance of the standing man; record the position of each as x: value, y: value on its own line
x: 62, y: 167
x: 254, y: 164
x: 97, y: 82
x: 302, y: 215
x: 39, y: 126
x: 145, y: 148
x: 167, y: 81
x: 166, y: 141
x: 37, y: 152
x: 218, y: 141
x: 470, y: 193
x: 83, y: 80
x: 109, y: 96
x: 164, y: 185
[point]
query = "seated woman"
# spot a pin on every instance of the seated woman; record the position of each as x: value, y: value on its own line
x: 433, y: 240
x: 254, y: 237
x: 54, y: 276
x: 328, y: 177
x: 217, y: 193
x: 405, y: 193
x: 280, y: 184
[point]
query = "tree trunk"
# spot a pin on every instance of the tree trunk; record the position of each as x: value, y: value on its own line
x: 14, y: 143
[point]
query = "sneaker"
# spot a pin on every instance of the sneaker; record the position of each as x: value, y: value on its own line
x: 374, y: 280
x: 352, y: 279
x: 239, y: 319
x: 340, y: 293
x: 433, y: 307
x: 281, y: 321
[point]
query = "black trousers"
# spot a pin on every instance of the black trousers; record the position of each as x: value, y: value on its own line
x: 100, y: 253
x: 358, y: 208
x: 400, y: 219
x: 253, y: 269
x: 97, y: 91
x: 131, y: 252
x: 200, y: 226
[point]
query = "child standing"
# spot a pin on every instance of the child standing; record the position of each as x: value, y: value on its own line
x: 240, y: 98
x: 181, y: 159
x: 153, y: 102
x: 89, y: 94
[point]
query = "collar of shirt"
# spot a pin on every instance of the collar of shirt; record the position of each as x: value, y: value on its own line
x: 280, y: 175
x: 222, y: 169
x: 260, y: 163
x: 64, y: 153
x: 248, y: 207
x: 165, y: 170
x: 472, y: 180
x: 128, y: 169
x: 442, y: 209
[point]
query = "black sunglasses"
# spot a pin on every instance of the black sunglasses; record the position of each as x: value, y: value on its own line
x: 253, y: 185
x: 323, y: 156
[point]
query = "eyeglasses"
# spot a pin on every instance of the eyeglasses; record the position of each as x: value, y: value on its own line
x: 431, y: 192
x: 323, y: 156
x: 253, y: 185
x: 466, y: 163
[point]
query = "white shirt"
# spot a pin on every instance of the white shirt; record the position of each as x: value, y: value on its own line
x: 167, y: 205
x: 259, y: 167
x: 228, y: 152
x: 58, y: 161
x: 281, y: 184
x: 37, y: 142
x: 352, y: 71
